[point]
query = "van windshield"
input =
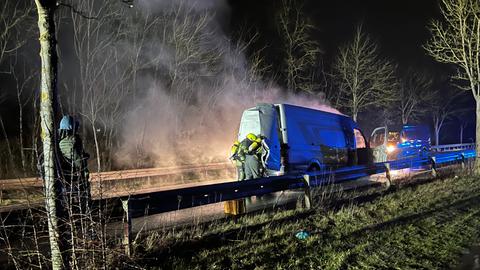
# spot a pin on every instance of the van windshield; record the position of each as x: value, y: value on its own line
x: 393, y: 136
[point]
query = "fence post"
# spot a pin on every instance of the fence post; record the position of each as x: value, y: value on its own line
x: 388, y: 175
x: 308, y: 196
x: 127, y: 226
x: 434, y: 166
x: 463, y: 161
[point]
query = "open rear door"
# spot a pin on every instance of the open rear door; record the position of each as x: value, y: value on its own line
x: 262, y: 120
x: 378, y: 143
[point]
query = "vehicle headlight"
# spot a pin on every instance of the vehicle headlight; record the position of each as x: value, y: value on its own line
x: 391, y: 148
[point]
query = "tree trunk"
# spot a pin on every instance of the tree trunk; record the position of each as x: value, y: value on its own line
x: 97, y: 147
x: 34, y: 157
x: 354, y: 114
x: 404, y: 119
x: 48, y: 55
x: 9, y: 148
x: 437, y: 135
x: 461, y: 133
x: 20, y: 129
x: 477, y: 136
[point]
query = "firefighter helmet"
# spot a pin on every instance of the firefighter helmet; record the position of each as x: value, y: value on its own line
x: 69, y: 123
x: 252, y: 137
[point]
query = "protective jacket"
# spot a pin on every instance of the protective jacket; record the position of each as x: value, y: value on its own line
x: 74, y: 157
x: 235, y: 151
x: 252, y: 151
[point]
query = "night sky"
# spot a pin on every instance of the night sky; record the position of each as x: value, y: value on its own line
x: 400, y: 27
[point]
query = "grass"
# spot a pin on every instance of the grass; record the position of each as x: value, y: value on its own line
x: 425, y: 224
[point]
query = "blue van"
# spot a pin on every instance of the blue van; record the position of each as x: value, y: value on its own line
x: 302, y: 139
x: 392, y: 143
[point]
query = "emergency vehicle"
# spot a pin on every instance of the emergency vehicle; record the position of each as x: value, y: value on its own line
x: 393, y: 143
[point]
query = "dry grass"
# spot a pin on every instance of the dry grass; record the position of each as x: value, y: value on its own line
x: 418, y: 224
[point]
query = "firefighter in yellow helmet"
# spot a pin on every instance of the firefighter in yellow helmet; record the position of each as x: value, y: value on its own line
x: 247, y: 157
x: 237, y: 156
x: 252, y: 148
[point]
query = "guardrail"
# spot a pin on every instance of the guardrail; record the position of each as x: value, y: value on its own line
x: 158, y: 202
x: 174, y: 198
x: 171, y: 200
x: 32, y: 182
x: 6, y: 184
x: 453, y: 147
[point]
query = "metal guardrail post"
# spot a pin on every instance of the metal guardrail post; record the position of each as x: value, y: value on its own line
x: 308, y: 196
x: 463, y: 160
x: 127, y: 227
x: 388, y: 175
x: 434, y: 166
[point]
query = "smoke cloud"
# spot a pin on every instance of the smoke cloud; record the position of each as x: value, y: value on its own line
x: 191, y: 97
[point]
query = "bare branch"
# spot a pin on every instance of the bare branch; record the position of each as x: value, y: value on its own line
x: 363, y: 78
x: 74, y: 10
x: 301, y: 51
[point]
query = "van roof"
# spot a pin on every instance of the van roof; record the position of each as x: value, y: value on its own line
x: 346, y: 119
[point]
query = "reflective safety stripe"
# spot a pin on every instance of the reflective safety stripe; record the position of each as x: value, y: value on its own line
x: 265, y: 154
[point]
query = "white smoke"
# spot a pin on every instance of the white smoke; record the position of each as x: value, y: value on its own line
x: 191, y: 104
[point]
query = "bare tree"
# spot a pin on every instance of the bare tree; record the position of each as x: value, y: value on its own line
x: 363, y: 78
x: 414, y: 93
x: 96, y: 28
x: 456, y: 40
x: 442, y: 109
x: 301, y: 52
x: 12, y: 14
x: 463, y: 125
x: 48, y: 55
x: 5, y: 135
x: 23, y: 99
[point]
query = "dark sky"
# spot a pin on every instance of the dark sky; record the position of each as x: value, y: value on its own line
x: 400, y: 26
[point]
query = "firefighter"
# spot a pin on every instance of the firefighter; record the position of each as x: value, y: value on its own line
x: 74, y: 165
x: 252, y: 147
x: 247, y: 156
x: 238, y: 158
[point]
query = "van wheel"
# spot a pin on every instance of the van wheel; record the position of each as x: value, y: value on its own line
x: 313, y: 168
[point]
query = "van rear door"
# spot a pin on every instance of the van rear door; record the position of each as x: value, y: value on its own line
x: 263, y: 120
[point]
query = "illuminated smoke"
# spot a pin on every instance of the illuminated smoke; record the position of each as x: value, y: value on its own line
x: 195, y: 120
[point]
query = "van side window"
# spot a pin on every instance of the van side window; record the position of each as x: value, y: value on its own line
x: 331, y: 137
x: 359, y: 139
